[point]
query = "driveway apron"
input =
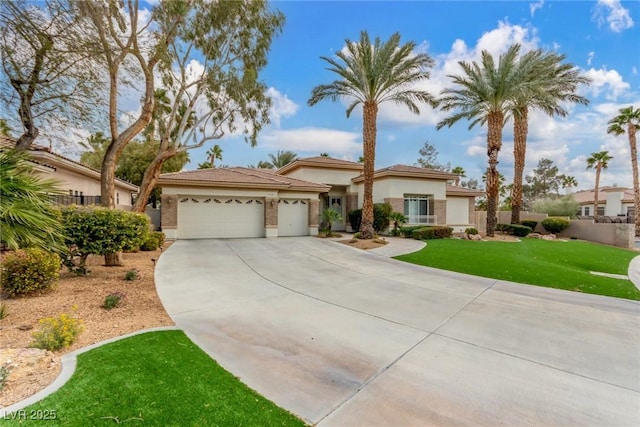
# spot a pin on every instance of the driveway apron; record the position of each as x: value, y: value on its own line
x: 342, y: 337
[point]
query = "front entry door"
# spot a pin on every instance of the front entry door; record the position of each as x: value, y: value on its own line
x: 335, y: 203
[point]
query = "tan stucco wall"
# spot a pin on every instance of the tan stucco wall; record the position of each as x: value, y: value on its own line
x: 621, y: 235
x: 458, y: 210
x: 397, y: 187
x: 324, y: 176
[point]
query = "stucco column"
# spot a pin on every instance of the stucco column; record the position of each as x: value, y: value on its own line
x: 271, y: 217
x: 351, y: 204
x: 314, y: 216
x: 440, y: 211
x: 472, y: 210
x: 169, y: 216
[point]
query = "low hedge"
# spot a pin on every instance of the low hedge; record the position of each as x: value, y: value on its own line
x: 407, y: 231
x: 519, y: 230
x: 154, y: 241
x: 432, y: 232
x: 555, y: 224
x: 529, y: 223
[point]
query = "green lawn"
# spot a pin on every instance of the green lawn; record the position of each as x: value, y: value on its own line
x: 554, y: 264
x: 156, y: 379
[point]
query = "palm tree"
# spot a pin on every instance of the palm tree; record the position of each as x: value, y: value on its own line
x: 546, y: 82
x: 26, y: 215
x: 398, y: 219
x: 213, y: 153
x: 599, y: 161
x: 459, y: 170
x: 631, y: 119
x: 484, y: 94
x: 330, y: 216
x: 282, y: 158
x: 569, y: 181
x: 370, y: 74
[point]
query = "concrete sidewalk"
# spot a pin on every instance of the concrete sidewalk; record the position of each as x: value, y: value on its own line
x: 634, y: 271
x: 343, y: 337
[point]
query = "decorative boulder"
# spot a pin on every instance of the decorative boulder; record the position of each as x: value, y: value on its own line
x: 549, y: 237
x: 534, y: 236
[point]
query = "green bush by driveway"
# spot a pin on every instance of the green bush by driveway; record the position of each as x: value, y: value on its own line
x: 554, y: 264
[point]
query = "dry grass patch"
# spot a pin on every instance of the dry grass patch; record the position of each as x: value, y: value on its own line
x: 364, y: 244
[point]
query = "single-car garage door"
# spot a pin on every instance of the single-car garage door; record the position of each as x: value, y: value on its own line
x: 216, y: 217
x: 293, y: 217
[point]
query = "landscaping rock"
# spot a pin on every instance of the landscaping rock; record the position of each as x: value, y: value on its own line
x: 534, y: 236
x: 474, y: 237
x: 549, y: 237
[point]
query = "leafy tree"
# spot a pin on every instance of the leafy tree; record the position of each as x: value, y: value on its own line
x: 47, y: 66
x: 27, y: 215
x: 370, y: 74
x: 484, y: 94
x: 281, y: 158
x: 631, y: 119
x: 560, y: 206
x: 5, y: 129
x: 547, y: 83
x: 361, y: 159
x: 544, y: 182
x: 133, y: 163
x: 429, y: 158
x: 324, y: 154
x: 233, y: 51
x: 598, y: 161
x: 102, y: 231
x: 213, y: 153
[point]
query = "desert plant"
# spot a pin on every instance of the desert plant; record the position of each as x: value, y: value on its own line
x: 432, y: 232
x: 154, y: 241
x: 330, y: 216
x: 471, y: 230
x: 4, y: 311
x: 398, y: 219
x: 112, y: 300
x: 57, y: 332
x: 27, y: 271
x: 561, y: 206
x: 555, y: 225
x: 5, y: 370
x: 131, y: 275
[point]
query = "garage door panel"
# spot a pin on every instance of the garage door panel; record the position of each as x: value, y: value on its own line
x: 220, y: 217
x: 293, y: 217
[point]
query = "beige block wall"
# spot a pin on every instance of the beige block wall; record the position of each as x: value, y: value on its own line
x: 314, y: 213
x: 271, y: 213
x: 397, y: 203
x: 621, y: 235
x: 440, y: 211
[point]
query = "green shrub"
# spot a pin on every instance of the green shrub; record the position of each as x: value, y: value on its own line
x: 529, y: 223
x: 432, y: 232
x: 57, y: 332
x: 502, y: 227
x: 5, y: 370
x: 27, y: 271
x: 381, y: 214
x: 407, y: 231
x: 471, y: 230
x: 4, y: 311
x: 131, y: 275
x: 561, y: 206
x: 154, y: 241
x: 519, y: 230
x: 112, y: 300
x: 555, y: 225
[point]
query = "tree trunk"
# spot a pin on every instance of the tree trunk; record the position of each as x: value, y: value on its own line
x: 369, y: 152
x: 494, y: 143
x: 596, y: 190
x: 520, y: 130
x: 113, y: 260
x: 631, y: 132
x: 150, y: 178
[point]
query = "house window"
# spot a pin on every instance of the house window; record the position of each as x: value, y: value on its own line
x: 418, y: 208
x: 587, y: 210
x: 71, y: 192
x: 630, y: 211
x: 600, y: 211
x: 117, y: 198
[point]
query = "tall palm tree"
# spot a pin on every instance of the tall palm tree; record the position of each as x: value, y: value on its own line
x: 484, y: 94
x: 569, y: 182
x: 213, y: 153
x: 631, y: 119
x: 27, y: 218
x: 546, y: 83
x: 459, y: 170
x: 598, y: 161
x: 282, y: 158
x: 370, y: 74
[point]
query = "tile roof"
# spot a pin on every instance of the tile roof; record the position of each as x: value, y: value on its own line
x: 587, y: 196
x: 410, y: 172
x: 452, y: 190
x: 248, y: 177
x: 320, y: 162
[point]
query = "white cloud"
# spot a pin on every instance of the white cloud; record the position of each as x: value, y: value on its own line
x: 608, y: 81
x: 590, y: 56
x: 634, y: 71
x: 282, y: 106
x: 535, y: 6
x: 615, y: 15
x: 314, y: 140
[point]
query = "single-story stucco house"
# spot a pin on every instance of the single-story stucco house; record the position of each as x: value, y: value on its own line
x: 612, y: 201
x: 248, y: 202
x: 80, y: 183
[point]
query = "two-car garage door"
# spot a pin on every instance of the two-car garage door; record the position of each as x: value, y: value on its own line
x: 219, y: 217
x: 202, y: 217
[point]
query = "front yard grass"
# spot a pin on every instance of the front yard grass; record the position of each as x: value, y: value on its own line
x: 159, y: 379
x: 554, y: 264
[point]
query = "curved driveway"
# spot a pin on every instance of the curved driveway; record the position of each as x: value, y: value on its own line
x: 344, y: 337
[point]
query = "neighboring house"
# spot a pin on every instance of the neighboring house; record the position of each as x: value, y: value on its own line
x: 81, y: 183
x: 244, y: 202
x: 612, y: 201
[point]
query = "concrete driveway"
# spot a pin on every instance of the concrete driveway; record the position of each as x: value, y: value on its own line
x: 342, y: 337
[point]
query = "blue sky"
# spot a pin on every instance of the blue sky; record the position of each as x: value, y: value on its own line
x: 601, y: 38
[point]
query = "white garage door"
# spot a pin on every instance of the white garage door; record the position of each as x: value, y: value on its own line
x: 293, y: 217
x: 215, y: 217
